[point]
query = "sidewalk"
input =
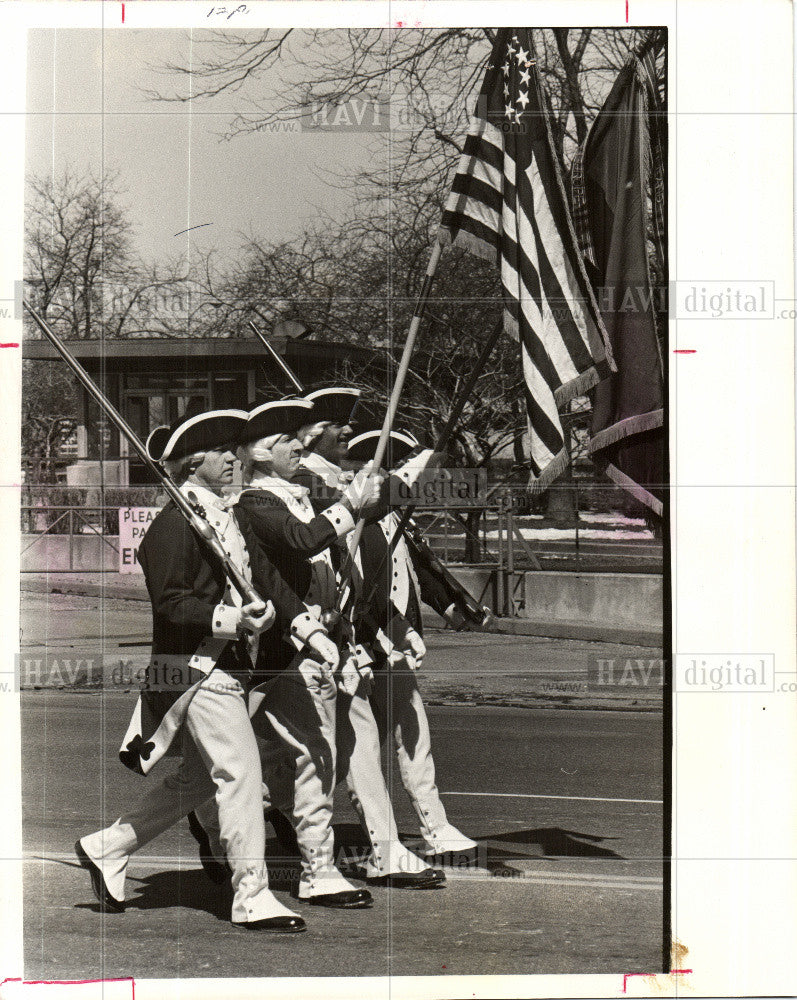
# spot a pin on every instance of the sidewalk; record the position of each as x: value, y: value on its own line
x: 91, y: 634
x: 131, y: 587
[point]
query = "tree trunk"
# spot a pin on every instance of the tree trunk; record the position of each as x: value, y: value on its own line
x: 473, y: 552
x: 560, y: 500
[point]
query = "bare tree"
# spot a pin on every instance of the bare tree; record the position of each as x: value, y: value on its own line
x: 77, y: 238
x: 49, y: 404
x: 430, y: 77
x: 80, y: 267
x: 357, y: 281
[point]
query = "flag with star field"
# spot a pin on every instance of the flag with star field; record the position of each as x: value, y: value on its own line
x: 508, y: 204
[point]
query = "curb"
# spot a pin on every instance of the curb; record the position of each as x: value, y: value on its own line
x: 85, y: 589
x: 584, y: 631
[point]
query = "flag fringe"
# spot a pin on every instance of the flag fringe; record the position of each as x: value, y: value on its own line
x: 552, y: 471
x: 580, y: 385
x: 639, y: 492
x: 637, y: 424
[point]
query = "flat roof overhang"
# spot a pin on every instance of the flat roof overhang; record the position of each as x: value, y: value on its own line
x: 143, y: 352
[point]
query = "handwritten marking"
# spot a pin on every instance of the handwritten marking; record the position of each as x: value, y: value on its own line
x: 201, y: 224
x: 626, y: 11
x: 123, y: 13
x: 685, y: 350
x: 240, y: 9
x: 9, y: 345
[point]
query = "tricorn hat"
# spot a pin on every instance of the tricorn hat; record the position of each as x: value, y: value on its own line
x: 281, y: 416
x: 156, y: 442
x: 401, y: 444
x: 337, y: 404
x: 201, y: 432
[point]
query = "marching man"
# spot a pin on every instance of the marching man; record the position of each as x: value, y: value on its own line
x: 395, y: 699
x: 359, y: 747
x: 295, y: 704
x: 203, y: 649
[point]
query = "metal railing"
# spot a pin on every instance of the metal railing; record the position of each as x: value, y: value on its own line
x: 64, y: 521
x: 494, y: 536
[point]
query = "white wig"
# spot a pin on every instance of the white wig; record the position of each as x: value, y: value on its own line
x: 256, y: 453
x: 310, y: 433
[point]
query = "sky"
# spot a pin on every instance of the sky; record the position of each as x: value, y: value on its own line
x: 87, y: 111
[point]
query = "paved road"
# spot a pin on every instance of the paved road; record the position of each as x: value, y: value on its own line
x: 564, y: 804
x: 461, y: 669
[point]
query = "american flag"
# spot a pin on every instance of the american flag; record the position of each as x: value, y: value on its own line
x: 508, y: 204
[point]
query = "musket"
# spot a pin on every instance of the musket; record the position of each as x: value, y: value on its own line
x: 286, y: 370
x: 194, y: 515
x: 338, y: 626
x: 406, y: 524
x: 478, y: 614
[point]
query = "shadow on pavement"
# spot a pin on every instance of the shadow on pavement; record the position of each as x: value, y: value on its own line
x: 551, y: 841
x: 191, y: 889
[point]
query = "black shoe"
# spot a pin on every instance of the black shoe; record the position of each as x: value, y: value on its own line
x: 109, y: 903
x: 430, y: 878
x: 453, y: 859
x: 283, y: 829
x: 217, y: 871
x: 275, y: 925
x: 349, y: 899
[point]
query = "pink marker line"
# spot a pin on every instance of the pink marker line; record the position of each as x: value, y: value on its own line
x: 73, y: 982
x: 630, y: 975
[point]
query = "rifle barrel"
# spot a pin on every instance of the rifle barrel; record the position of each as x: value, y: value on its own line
x: 200, y: 526
x: 286, y: 370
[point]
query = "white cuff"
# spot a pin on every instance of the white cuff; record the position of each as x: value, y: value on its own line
x: 226, y: 619
x: 410, y: 472
x: 398, y: 628
x: 385, y: 642
x: 340, y: 517
x: 305, y: 625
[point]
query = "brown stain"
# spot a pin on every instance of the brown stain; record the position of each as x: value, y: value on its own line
x: 678, y: 953
x: 674, y: 983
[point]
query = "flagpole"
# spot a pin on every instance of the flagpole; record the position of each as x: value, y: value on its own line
x: 442, y: 441
x: 390, y: 415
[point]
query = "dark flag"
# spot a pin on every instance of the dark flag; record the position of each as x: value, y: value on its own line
x: 611, y: 177
x: 508, y: 204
